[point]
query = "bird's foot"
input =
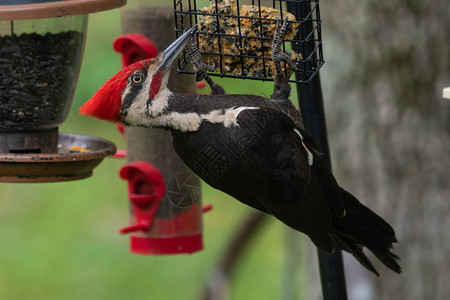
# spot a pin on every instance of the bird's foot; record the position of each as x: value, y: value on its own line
x: 196, y: 59
x: 277, y: 54
x: 200, y: 69
x: 281, y: 88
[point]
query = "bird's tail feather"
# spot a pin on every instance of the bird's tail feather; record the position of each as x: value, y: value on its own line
x: 360, y: 228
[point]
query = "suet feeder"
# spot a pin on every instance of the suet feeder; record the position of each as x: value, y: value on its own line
x: 235, y: 36
x: 41, y: 48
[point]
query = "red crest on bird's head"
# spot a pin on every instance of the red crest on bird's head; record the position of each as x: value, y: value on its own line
x: 106, y: 103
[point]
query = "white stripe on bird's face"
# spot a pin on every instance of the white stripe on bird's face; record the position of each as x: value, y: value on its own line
x: 142, y: 108
x: 155, y: 115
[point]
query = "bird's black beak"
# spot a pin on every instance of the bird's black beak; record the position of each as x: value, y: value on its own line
x: 172, y: 52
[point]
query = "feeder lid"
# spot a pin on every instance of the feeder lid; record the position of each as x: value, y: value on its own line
x: 11, y: 10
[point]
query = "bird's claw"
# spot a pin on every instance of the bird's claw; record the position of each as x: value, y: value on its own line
x: 200, y: 67
x: 277, y: 54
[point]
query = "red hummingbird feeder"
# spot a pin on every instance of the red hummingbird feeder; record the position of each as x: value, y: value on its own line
x: 162, y: 220
x: 41, y: 47
x: 165, y: 215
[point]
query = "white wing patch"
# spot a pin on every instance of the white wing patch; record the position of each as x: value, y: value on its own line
x: 310, y: 156
x: 226, y: 116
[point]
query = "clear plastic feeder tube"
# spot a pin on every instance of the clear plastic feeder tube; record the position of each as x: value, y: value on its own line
x: 39, y: 66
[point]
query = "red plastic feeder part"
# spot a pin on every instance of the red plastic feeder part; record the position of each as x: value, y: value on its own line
x: 159, y: 224
x: 134, y: 47
x: 158, y: 228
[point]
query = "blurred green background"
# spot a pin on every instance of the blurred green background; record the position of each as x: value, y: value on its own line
x: 61, y: 240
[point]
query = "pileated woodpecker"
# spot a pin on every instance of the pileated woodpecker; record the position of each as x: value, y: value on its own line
x: 249, y: 147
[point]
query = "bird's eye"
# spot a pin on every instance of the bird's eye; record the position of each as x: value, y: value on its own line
x: 137, y: 78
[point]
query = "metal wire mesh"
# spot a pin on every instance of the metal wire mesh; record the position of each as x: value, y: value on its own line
x: 235, y: 36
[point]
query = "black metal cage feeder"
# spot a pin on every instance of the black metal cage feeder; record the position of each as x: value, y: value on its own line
x: 235, y: 36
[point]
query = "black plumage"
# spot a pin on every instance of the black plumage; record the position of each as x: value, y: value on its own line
x: 263, y: 162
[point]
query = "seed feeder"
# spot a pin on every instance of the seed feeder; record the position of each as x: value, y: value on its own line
x: 41, y: 47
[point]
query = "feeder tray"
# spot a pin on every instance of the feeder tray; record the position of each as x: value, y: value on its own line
x: 236, y: 36
x: 77, y: 156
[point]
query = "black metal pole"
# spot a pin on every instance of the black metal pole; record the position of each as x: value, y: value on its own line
x: 310, y: 99
x: 331, y: 266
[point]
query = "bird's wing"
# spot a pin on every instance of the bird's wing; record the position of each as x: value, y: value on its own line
x: 324, y: 176
x: 277, y: 153
x: 288, y: 186
x: 298, y: 157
